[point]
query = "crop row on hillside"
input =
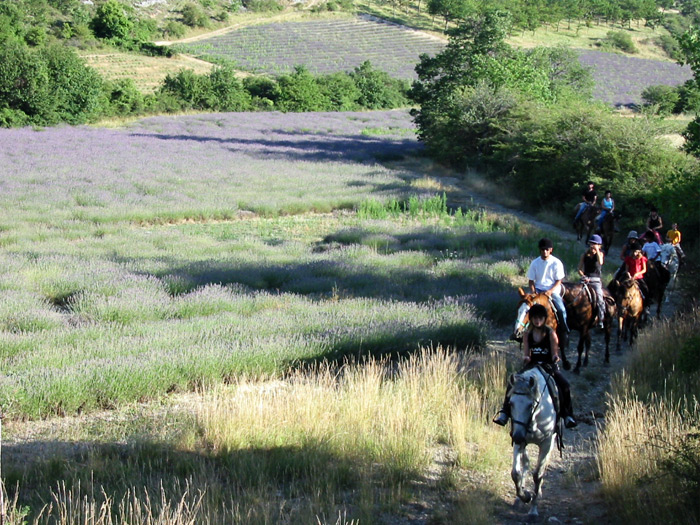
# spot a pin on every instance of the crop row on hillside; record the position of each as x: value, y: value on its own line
x: 326, y: 46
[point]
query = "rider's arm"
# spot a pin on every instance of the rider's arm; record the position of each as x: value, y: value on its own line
x: 661, y: 224
x: 531, y: 284
x: 554, y: 343
x: 601, y: 256
x: 554, y: 286
x: 526, y: 348
x: 580, y: 265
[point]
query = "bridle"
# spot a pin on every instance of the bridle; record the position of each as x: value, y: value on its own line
x: 536, y: 403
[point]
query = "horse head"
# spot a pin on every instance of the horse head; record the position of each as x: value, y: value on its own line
x: 527, y: 400
x: 523, y: 319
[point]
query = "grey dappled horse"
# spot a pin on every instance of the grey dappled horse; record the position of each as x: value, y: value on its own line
x: 533, y: 420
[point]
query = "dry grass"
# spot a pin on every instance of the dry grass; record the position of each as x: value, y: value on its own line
x: 147, y: 72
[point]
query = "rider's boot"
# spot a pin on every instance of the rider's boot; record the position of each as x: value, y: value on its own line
x: 570, y: 422
x: 501, y: 418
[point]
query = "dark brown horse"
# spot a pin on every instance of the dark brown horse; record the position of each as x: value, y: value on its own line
x: 523, y: 320
x: 581, y: 312
x: 657, y: 279
x: 630, y: 307
x: 607, y: 231
x: 586, y: 222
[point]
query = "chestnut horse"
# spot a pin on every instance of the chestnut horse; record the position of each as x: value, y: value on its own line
x: 523, y: 320
x: 581, y: 312
x: 630, y: 307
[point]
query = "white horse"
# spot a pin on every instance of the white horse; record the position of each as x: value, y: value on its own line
x: 668, y: 257
x: 534, y: 422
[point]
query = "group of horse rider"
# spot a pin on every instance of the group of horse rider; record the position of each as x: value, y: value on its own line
x: 545, y: 275
x: 590, y: 198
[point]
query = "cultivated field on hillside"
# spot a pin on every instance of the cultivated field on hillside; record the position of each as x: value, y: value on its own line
x: 324, y: 46
x: 147, y: 72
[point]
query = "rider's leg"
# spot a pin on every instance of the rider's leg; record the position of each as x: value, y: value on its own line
x: 561, y: 309
x: 580, y: 211
x: 504, y: 414
x: 567, y: 409
x: 600, y: 301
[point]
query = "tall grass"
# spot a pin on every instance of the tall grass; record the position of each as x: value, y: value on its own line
x: 327, y: 445
x: 648, y: 453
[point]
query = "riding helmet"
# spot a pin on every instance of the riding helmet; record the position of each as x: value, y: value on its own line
x: 538, y: 310
x: 595, y: 239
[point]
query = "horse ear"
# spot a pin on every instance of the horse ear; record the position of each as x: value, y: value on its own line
x: 511, y: 379
x: 532, y: 382
x: 521, y: 292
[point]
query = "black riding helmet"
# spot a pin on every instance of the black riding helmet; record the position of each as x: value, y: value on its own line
x: 538, y: 310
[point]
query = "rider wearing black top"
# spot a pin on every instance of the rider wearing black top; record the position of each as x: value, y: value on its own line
x: 589, y: 267
x: 588, y: 198
x: 541, y: 347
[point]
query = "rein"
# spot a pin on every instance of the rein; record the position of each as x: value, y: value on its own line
x: 535, y: 405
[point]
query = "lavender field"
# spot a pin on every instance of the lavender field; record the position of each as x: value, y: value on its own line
x: 182, y: 251
x: 620, y: 79
x: 327, y: 46
x: 323, y: 46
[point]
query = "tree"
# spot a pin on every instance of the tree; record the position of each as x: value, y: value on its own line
x: 300, y: 92
x: 690, y: 46
x: 112, y: 20
x: 450, y: 9
x: 377, y: 89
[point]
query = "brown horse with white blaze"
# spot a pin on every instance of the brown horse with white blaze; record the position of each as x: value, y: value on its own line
x: 523, y: 319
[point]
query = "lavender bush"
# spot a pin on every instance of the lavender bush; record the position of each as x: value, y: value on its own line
x: 132, y: 265
x: 331, y: 45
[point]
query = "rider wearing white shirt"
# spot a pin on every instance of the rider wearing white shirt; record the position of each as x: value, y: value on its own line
x: 545, y: 276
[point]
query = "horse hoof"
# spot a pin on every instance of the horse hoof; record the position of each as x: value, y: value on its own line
x: 532, y: 517
x: 577, y: 370
x: 567, y: 365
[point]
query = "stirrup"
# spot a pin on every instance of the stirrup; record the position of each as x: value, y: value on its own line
x: 501, y: 418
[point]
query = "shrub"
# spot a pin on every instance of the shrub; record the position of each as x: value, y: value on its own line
x: 194, y: 16
x: 688, y: 98
x: 663, y: 99
x: 227, y: 91
x: 124, y: 98
x: 377, y: 89
x: 186, y: 86
x: 174, y: 29
x: 300, y: 92
x: 259, y: 6
x: 263, y: 90
x: 341, y: 91
x: 112, y: 20
x: 621, y: 40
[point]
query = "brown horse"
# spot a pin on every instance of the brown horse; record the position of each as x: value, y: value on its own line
x: 581, y: 312
x: 523, y: 320
x: 586, y: 222
x: 607, y: 231
x: 657, y: 279
x: 630, y: 307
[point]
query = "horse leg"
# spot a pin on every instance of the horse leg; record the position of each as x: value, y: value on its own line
x: 538, y: 473
x: 577, y: 368
x: 620, y: 332
x: 608, y: 330
x: 587, y: 342
x: 520, y: 466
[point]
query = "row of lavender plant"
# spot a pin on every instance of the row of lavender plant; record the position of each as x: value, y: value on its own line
x: 327, y: 46
x: 105, y: 301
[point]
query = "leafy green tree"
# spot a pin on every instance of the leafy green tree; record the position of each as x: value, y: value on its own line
x: 227, y: 91
x: 188, y: 88
x: 377, y: 89
x: 300, y: 92
x: 690, y: 46
x: 76, y: 89
x: 340, y: 89
x: 451, y: 10
x: 113, y: 20
x: 194, y: 16
x: 24, y: 84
